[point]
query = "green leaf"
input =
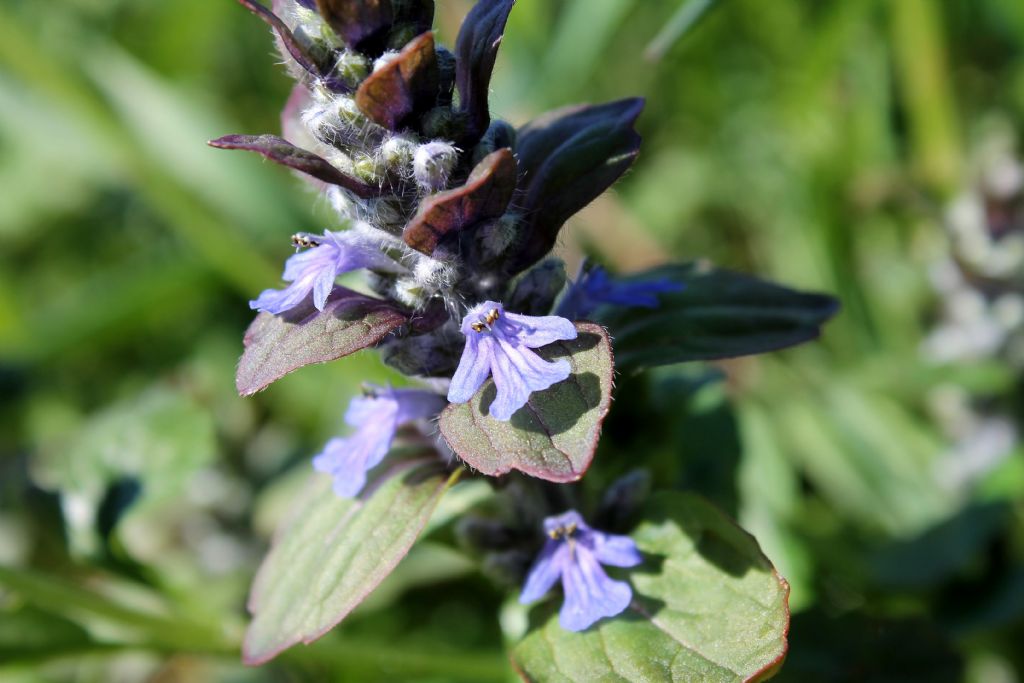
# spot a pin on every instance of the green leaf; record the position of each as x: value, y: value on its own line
x: 334, y: 551
x: 708, y: 606
x: 718, y: 314
x: 278, y: 344
x: 554, y: 435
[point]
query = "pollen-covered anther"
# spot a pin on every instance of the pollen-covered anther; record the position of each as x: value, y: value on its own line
x: 486, y: 322
x: 304, y: 240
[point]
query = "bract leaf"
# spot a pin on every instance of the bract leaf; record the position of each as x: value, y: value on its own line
x: 278, y: 344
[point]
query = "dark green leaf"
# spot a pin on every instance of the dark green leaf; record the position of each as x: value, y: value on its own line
x: 334, y: 551
x: 407, y: 84
x: 568, y: 158
x: 282, y: 152
x: 708, y: 606
x: 486, y: 194
x: 477, y: 49
x: 719, y: 314
x: 278, y: 344
x: 554, y: 435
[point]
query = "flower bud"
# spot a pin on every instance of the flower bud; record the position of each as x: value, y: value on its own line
x: 507, y: 568
x: 427, y: 355
x: 366, y: 168
x: 352, y: 67
x: 623, y: 500
x: 409, y: 292
x: 478, y: 534
x: 535, y: 292
x: 497, y: 235
x: 397, y: 153
x: 499, y: 135
x: 433, y: 164
x: 444, y: 122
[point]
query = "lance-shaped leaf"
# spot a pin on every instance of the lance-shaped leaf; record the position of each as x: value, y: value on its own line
x: 716, y: 314
x: 407, y: 84
x: 357, y: 21
x: 334, y: 551
x: 707, y: 606
x: 476, y: 50
x: 567, y: 158
x: 555, y: 434
x: 285, y: 153
x: 278, y: 344
x: 486, y: 194
x: 294, y: 47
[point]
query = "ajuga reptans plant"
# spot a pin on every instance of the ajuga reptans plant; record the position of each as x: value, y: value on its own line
x: 451, y: 215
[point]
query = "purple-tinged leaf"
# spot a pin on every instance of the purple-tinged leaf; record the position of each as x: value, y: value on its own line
x: 486, y: 194
x: 476, y: 50
x: 357, y: 21
x: 715, y: 314
x: 554, y: 436
x: 407, y: 84
x: 707, y: 606
x: 567, y: 159
x: 296, y: 49
x: 278, y: 344
x: 333, y: 552
x: 285, y: 153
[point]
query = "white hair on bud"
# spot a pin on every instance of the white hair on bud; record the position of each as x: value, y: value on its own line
x: 435, y: 275
x: 397, y: 154
x: 384, y: 60
x: 433, y: 164
x: 409, y: 292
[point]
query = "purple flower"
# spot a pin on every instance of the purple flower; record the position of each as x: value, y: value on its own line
x: 376, y: 418
x: 499, y: 343
x: 594, y: 287
x: 315, y: 269
x: 574, y: 552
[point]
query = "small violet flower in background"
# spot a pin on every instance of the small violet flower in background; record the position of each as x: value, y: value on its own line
x: 499, y: 343
x: 376, y: 418
x: 594, y: 287
x: 315, y: 269
x: 574, y: 552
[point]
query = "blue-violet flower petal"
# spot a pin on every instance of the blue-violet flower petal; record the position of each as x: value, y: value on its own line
x: 376, y: 418
x: 594, y: 287
x: 499, y: 344
x: 574, y: 553
x: 315, y: 270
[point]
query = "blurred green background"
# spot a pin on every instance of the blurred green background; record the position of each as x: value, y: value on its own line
x: 866, y: 148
